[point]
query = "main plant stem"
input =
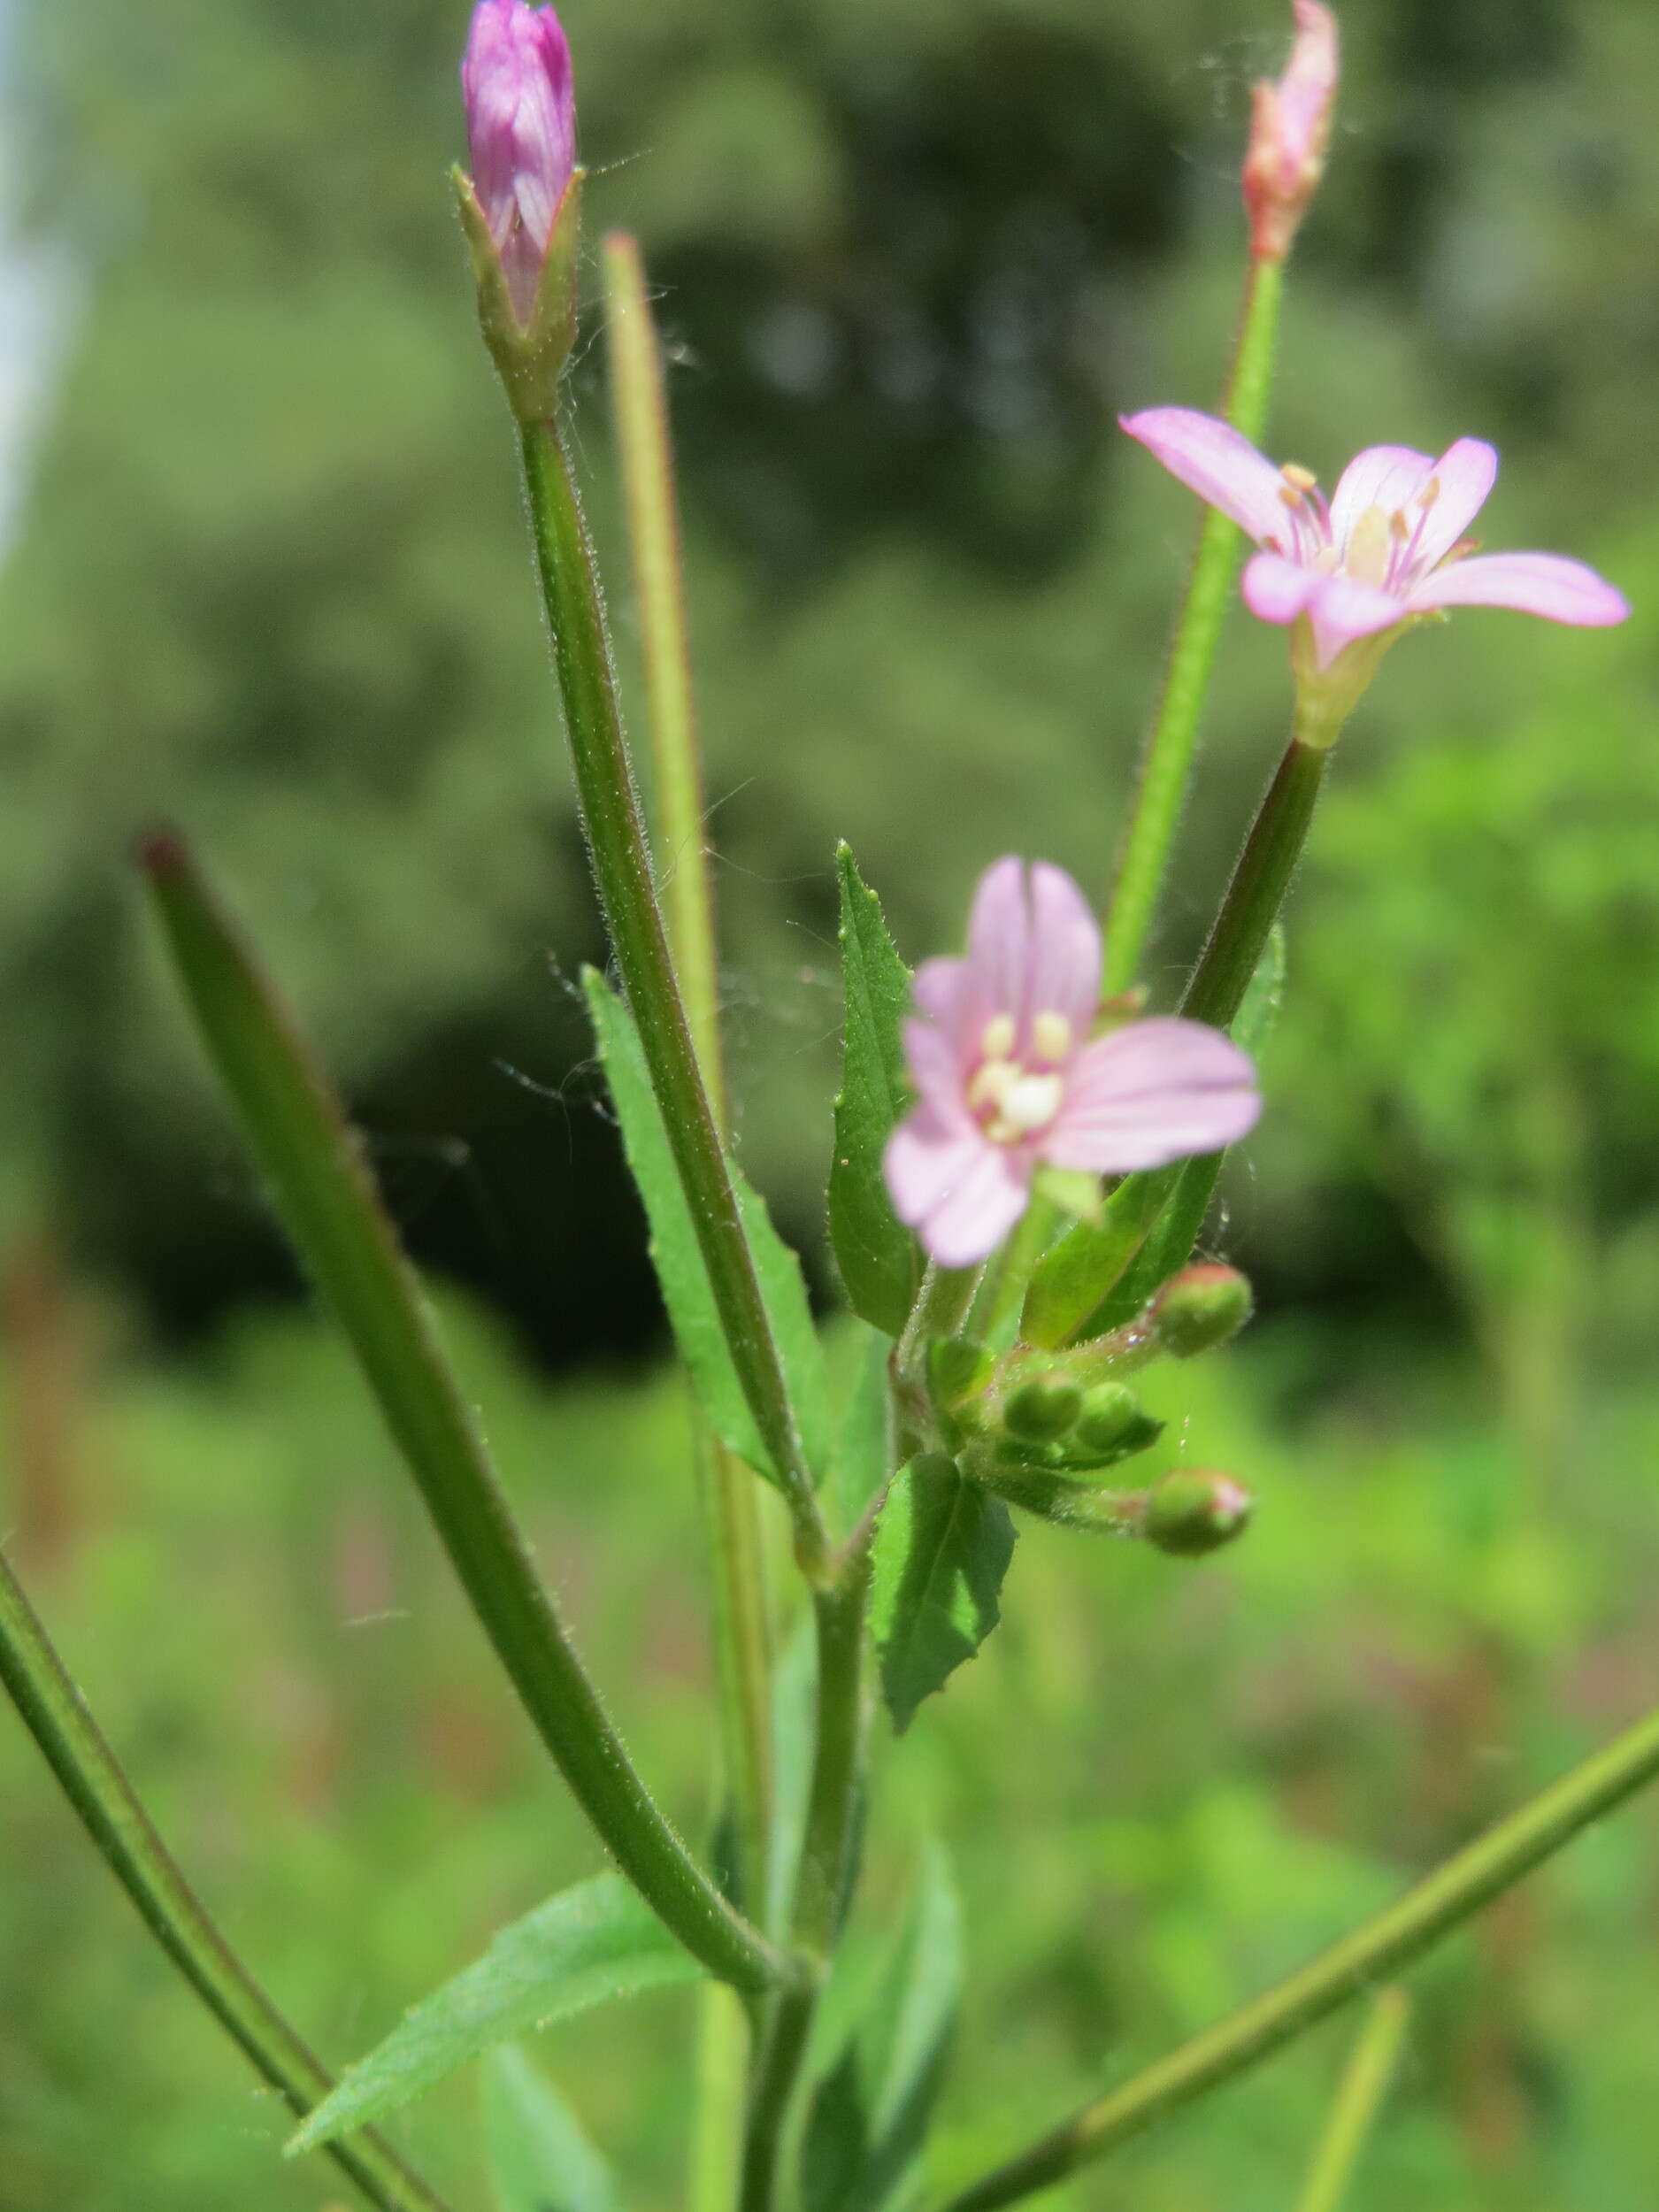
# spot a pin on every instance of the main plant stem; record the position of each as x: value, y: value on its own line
x: 742, y: 1629
x: 1256, y: 892
x: 627, y: 895
x: 92, y: 1780
x: 822, y: 1875
x: 1166, y: 759
x: 1375, y: 1952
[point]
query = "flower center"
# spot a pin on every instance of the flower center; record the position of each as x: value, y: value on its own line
x: 1012, y: 1099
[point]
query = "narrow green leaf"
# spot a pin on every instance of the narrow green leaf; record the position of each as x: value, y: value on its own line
x: 1072, y: 1276
x: 678, y: 1256
x: 862, y: 1464
x: 941, y: 1550
x: 877, y: 1257
x: 869, y: 2115
x: 1170, y: 1246
x: 539, y: 2159
x: 596, y: 1941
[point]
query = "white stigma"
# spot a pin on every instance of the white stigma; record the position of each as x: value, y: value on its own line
x: 1028, y: 1103
x: 1369, y: 547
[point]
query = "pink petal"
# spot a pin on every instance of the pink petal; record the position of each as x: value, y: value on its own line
x: 1533, y: 583
x: 936, y: 1069
x: 1211, y: 459
x: 943, y: 991
x: 999, y: 941
x: 1465, y: 474
x: 925, y: 1160
x: 1065, y: 949
x: 1150, y: 1093
x: 968, y: 1223
x: 1277, y: 590
x: 1384, y: 476
x: 1343, y: 608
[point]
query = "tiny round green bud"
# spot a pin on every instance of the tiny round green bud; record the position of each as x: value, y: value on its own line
x: 1110, y: 1418
x: 1199, y: 1308
x: 1196, y: 1510
x: 1043, y: 1408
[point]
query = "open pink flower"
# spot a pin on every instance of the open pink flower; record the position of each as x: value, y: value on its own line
x: 1389, y: 545
x: 1290, y: 126
x: 1010, y: 1078
x: 522, y: 134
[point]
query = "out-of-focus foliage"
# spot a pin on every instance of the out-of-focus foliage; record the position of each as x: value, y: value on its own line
x: 271, y: 577
x: 1162, y: 1784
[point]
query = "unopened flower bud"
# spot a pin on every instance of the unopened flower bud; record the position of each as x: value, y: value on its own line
x: 1290, y: 127
x: 958, y: 1370
x: 1112, y: 1423
x: 1195, y: 1510
x: 1199, y: 1308
x: 1042, y: 1408
x: 519, y: 206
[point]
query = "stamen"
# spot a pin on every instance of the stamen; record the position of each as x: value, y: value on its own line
x: 1430, y: 493
x: 1289, y: 497
x: 1299, y: 479
x: 1051, y: 1035
x: 996, y: 1040
x: 990, y: 1085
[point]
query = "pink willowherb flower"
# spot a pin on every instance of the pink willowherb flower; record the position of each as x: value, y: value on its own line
x: 1290, y: 127
x: 1010, y: 1078
x: 1390, y: 545
x: 521, y: 134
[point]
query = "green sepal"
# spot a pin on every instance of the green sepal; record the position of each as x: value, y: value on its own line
x: 880, y: 1260
x: 941, y: 1550
x: 529, y: 361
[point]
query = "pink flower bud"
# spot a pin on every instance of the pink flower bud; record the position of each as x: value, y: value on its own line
x: 1290, y: 127
x: 521, y: 133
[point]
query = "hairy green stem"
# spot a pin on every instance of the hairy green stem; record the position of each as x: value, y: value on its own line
x: 639, y: 405
x: 92, y: 1780
x: 627, y: 895
x: 1358, y: 2099
x: 822, y: 1878
x: 1259, y: 883
x: 1166, y: 760
x: 333, y: 1211
x: 1374, y: 1952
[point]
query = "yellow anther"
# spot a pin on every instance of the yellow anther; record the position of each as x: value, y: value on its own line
x: 1299, y: 479
x: 1430, y: 493
x: 1398, y: 524
x: 996, y: 1041
x: 1051, y: 1035
x: 1289, y: 497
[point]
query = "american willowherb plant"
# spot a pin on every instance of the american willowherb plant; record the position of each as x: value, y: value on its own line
x: 1023, y: 1163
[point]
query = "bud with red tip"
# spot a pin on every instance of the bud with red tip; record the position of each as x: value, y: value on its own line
x: 1194, y: 1511
x: 520, y: 205
x: 1290, y: 127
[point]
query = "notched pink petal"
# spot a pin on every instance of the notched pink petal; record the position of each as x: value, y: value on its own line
x: 999, y: 937
x: 1065, y: 949
x: 1276, y: 589
x: 1152, y: 1093
x: 1384, y: 476
x: 1212, y: 459
x: 1546, y: 584
x: 942, y: 992
x: 936, y: 1069
x: 1464, y: 473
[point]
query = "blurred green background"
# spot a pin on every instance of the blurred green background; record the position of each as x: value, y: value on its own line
x: 267, y: 578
